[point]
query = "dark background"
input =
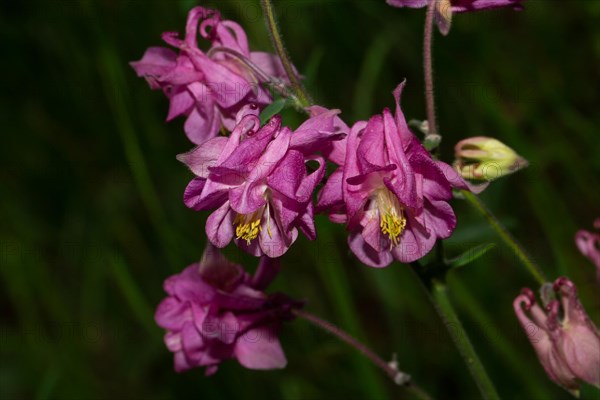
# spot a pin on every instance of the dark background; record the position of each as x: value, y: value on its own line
x: 92, y: 219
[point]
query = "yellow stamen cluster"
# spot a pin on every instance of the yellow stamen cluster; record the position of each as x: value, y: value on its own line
x: 393, y: 225
x: 391, y: 216
x: 248, y: 226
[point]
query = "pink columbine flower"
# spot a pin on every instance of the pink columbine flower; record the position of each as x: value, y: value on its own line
x: 392, y: 196
x: 566, y: 341
x: 258, y: 181
x: 215, y: 311
x: 209, y: 88
x: 588, y: 244
x: 446, y: 8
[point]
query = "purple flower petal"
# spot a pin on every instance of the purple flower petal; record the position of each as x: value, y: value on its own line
x: 306, y: 223
x: 181, y: 363
x: 406, y: 135
x: 274, y: 241
x: 474, y: 5
x: 181, y: 103
x: 231, y: 35
x: 202, y: 124
x: 269, y: 64
x: 366, y: 254
x: 171, y: 313
x: 259, y: 348
x: 288, y: 175
x: 248, y: 198
x: 415, y: 243
x: 155, y: 62
x: 404, y: 182
x: 331, y: 194
x: 439, y: 218
x: 249, y: 150
x: 202, y: 195
x: 199, y: 159
x: 408, y: 3
x: 372, y: 234
x: 322, y: 128
x: 371, y: 151
x: 219, y: 226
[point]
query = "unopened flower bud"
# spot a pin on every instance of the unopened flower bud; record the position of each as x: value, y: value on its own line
x: 443, y: 15
x: 484, y: 158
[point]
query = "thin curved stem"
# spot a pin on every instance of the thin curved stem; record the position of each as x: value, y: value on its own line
x: 399, y: 377
x: 277, y: 41
x: 346, y: 337
x: 428, y: 66
x: 505, y: 235
x: 243, y: 60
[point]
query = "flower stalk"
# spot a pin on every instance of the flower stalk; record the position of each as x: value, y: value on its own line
x: 277, y: 41
x: 390, y: 368
x: 443, y: 306
x: 428, y: 67
x: 505, y: 235
x: 431, y: 277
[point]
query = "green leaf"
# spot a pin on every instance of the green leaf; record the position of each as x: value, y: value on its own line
x: 272, y: 109
x: 470, y: 255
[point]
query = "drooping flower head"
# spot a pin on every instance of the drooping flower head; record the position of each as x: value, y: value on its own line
x: 446, y: 8
x: 259, y: 182
x: 215, y: 311
x: 566, y: 341
x: 209, y: 88
x: 392, y: 196
x: 588, y: 244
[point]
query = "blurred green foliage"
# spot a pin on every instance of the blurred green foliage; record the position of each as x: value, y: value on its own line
x: 92, y: 219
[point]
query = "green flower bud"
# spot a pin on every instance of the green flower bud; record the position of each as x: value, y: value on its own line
x: 485, y: 159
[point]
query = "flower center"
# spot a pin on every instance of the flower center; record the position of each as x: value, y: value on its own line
x: 391, y: 215
x: 249, y: 225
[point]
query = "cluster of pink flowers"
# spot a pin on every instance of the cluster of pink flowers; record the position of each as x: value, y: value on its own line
x: 259, y: 181
x: 209, y: 88
x: 216, y: 311
x: 390, y: 193
x: 388, y: 190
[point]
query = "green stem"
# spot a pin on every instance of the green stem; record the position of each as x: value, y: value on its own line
x: 505, y: 235
x: 303, y: 97
x: 428, y: 67
x: 431, y: 278
x: 439, y: 296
